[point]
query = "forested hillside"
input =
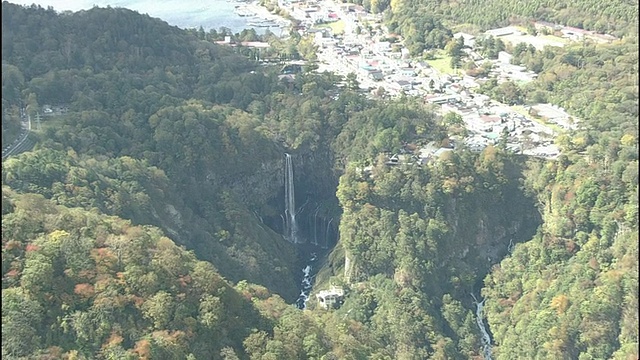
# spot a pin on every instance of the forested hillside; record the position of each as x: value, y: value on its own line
x: 147, y: 222
x: 427, y: 24
x: 611, y: 17
x: 88, y: 285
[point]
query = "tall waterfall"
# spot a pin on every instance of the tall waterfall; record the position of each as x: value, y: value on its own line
x: 291, y: 226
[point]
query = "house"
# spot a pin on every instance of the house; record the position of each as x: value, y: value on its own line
x: 454, y: 88
x: 404, y: 85
x: 441, y: 99
x: 407, y: 71
x: 376, y: 75
x: 347, y: 7
x: 489, y: 121
x: 456, y: 108
x: 382, y: 46
x: 386, y: 68
x: 481, y: 100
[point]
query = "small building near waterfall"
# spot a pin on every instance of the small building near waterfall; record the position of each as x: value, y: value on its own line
x: 331, y: 299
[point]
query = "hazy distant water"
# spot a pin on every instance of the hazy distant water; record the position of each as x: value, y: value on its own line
x: 210, y: 14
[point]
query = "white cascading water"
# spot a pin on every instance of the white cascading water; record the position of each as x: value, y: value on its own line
x: 301, y: 303
x: 326, y: 238
x: 291, y: 226
x: 486, y: 339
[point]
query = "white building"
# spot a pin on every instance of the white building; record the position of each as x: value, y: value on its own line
x: 382, y: 47
x: 407, y: 72
x: 484, y: 123
x: 509, y: 30
x: 330, y: 299
x: 504, y: 57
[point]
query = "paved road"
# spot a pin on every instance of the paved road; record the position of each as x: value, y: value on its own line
x: 23, y: 142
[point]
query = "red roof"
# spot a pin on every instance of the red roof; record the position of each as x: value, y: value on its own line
x: 490, y: 119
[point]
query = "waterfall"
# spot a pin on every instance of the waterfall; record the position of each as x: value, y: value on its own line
x: 315, y: 226
x: 326, y: 236
x: 291, y: 226
x: 486, y: 339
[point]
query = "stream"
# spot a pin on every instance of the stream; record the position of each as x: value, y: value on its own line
x: 306, y: 285
x: 486, y: 338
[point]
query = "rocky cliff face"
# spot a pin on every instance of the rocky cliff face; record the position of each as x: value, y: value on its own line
x: 261, y: 187
x: 492, y: 230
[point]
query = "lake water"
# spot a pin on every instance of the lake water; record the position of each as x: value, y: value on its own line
x: 212, y: 14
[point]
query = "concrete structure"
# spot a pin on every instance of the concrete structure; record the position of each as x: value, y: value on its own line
x: 555, y: 114
x: 330, y: 299
x: 509, y: 30
x: 574, y: 34
x: 504, y: 57
x: 407, y: 71
x: 441, y: 99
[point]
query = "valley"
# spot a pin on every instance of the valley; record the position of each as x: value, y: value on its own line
x: 195, y: 201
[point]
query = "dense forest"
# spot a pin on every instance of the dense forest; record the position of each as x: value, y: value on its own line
x: 147, y: 221
x: 420, y: 21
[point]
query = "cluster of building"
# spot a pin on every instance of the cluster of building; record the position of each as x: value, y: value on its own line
x: 381, y: 63
x: 558, y: 35
x: 383, y: 67
x: 487, y: 122
x: 314, y: 12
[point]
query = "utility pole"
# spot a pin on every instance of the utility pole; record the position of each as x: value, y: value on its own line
x: 38, y: 121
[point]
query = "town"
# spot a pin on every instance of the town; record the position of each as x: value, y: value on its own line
x: 358, y: 46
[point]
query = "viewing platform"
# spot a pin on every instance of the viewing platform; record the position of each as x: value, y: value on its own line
x: 331, y: 299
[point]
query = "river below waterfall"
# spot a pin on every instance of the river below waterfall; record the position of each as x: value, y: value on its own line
x: 486, y: 338
x: 310, y: 261
x: 306, y: 284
